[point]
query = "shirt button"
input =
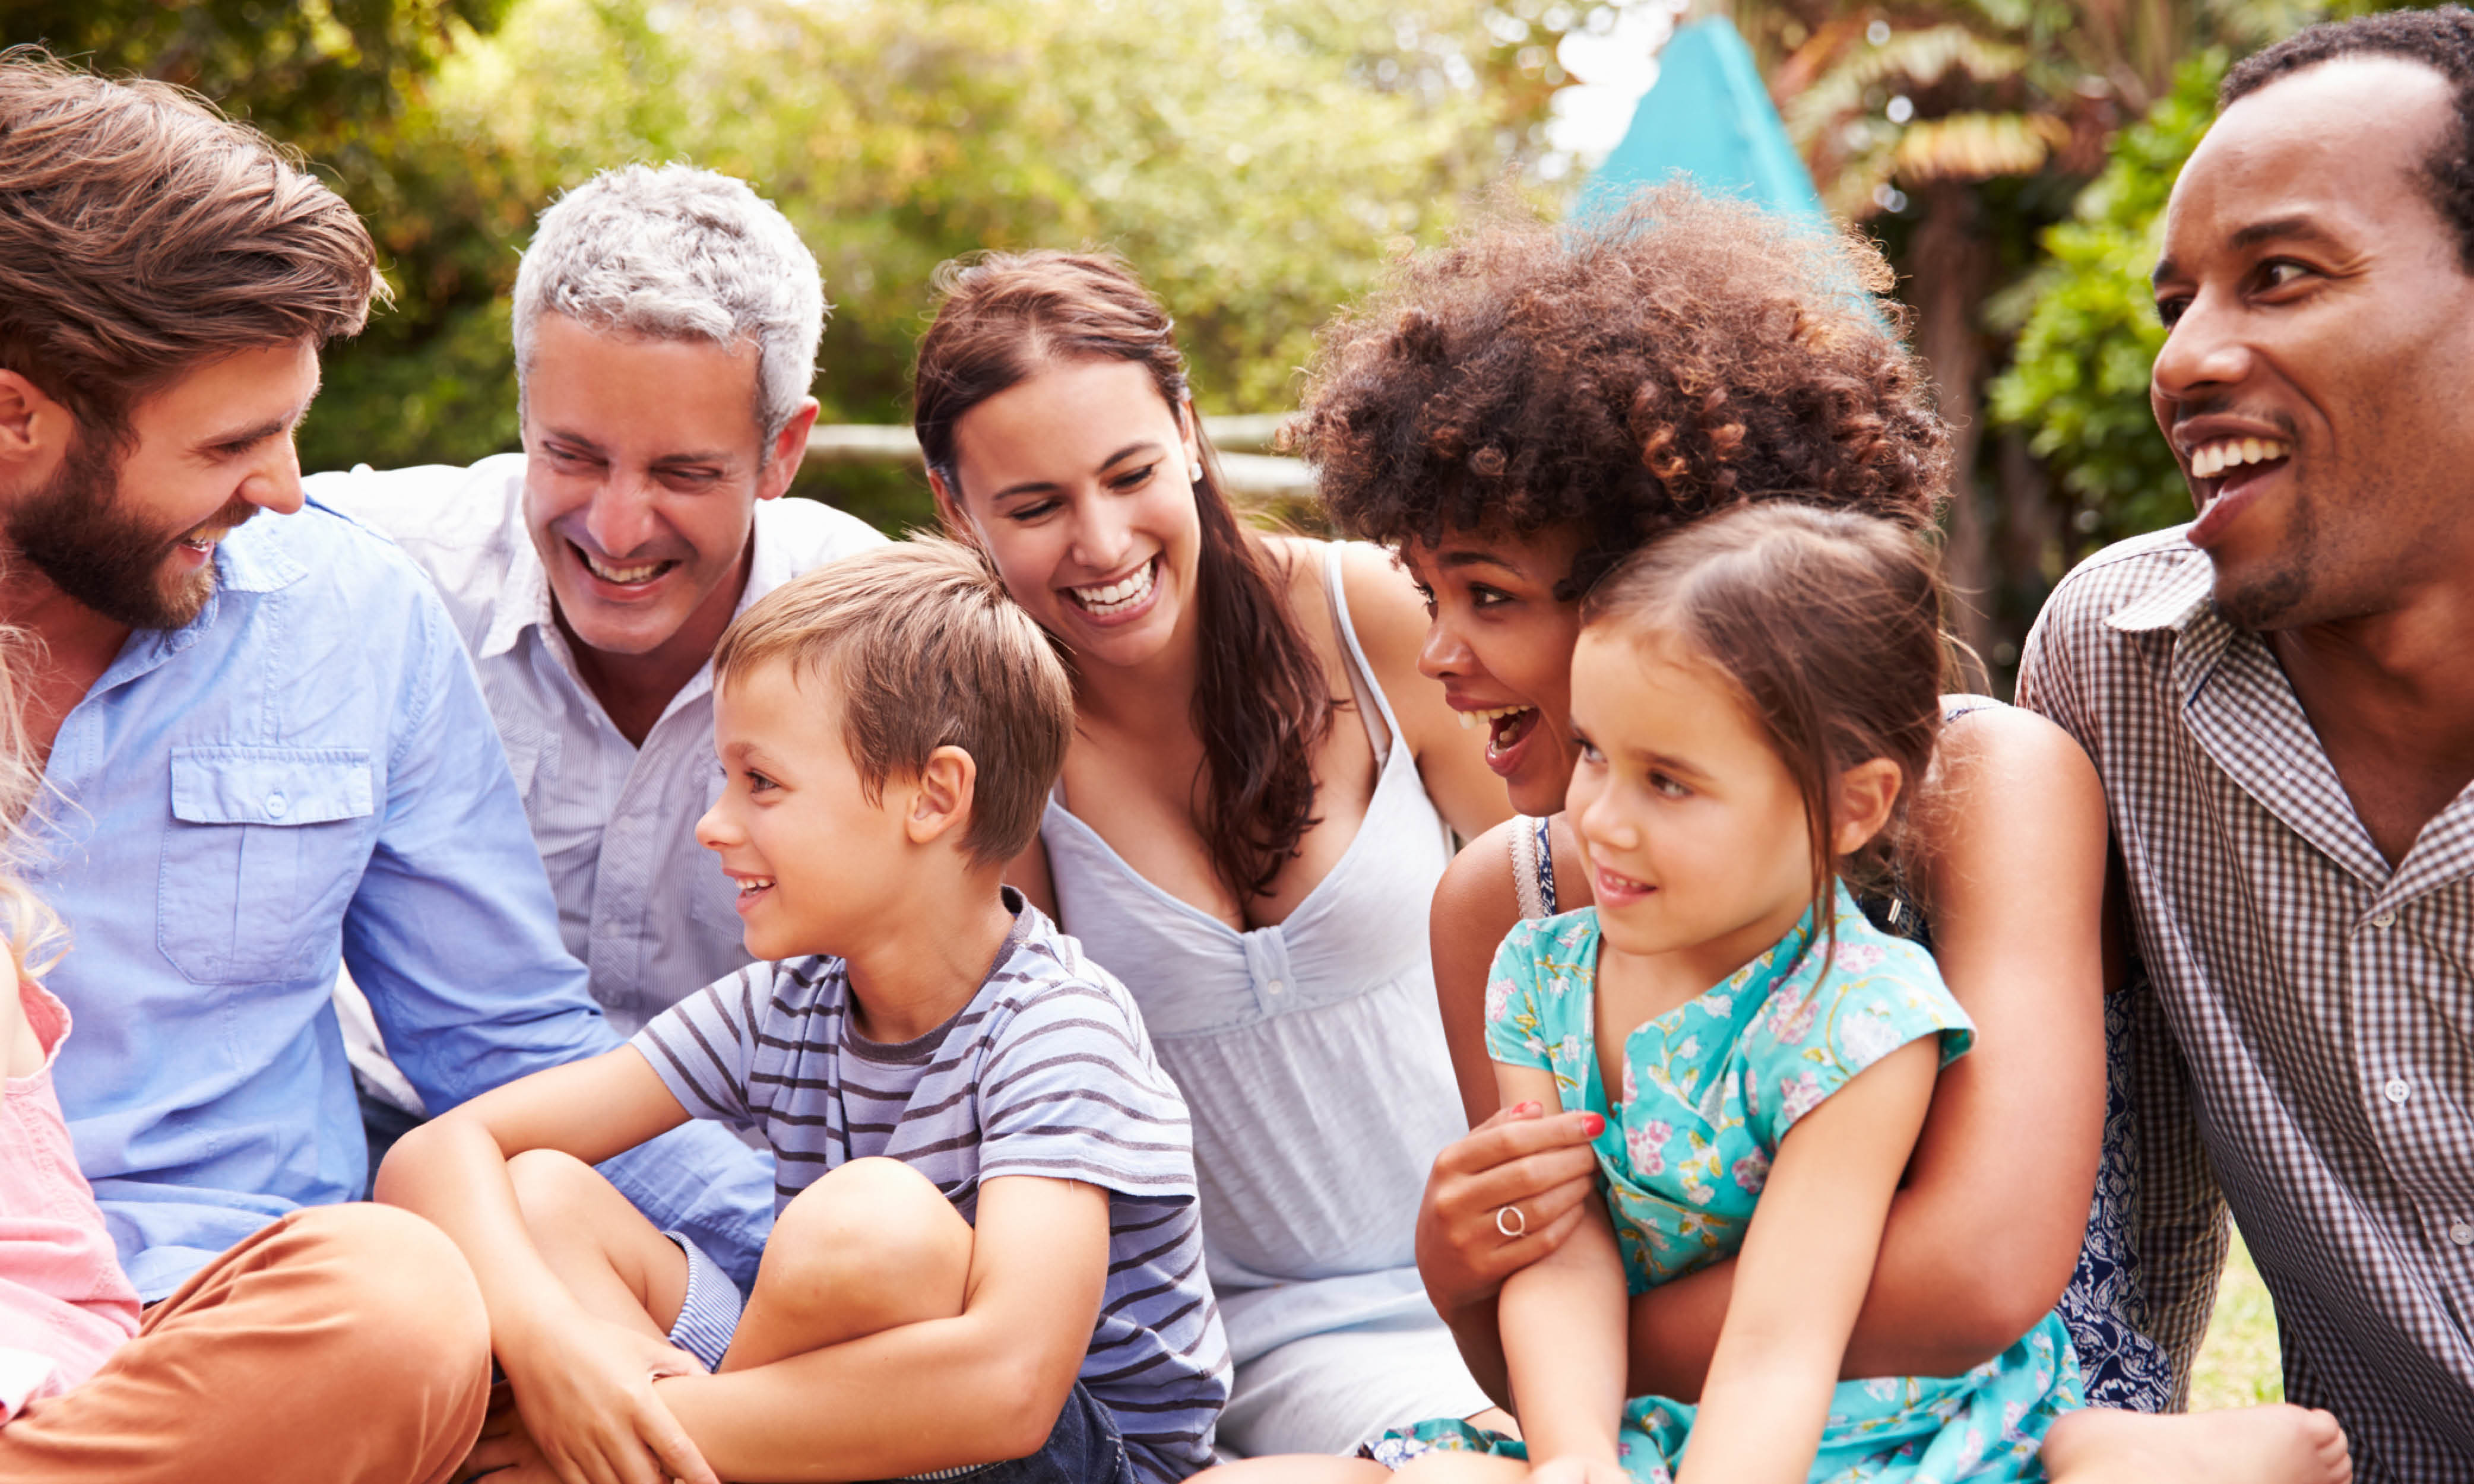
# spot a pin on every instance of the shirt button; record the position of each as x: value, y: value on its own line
x: 2398, y: 1089
x: 2461, y: 1234
x: 2384, y: 920
x: 1274, y: 986
x: 276, y: 805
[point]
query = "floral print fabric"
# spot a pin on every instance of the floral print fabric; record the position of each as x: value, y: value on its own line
x: 1710, y: 1089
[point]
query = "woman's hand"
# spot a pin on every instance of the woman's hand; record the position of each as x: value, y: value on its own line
x: 1523, y: 1157
x: 589, y: 1411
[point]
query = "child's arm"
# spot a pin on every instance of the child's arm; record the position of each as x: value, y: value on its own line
x: 583, y: 1385
x: 1562, y: 1321
x: 1802, y: 1272
x: 986, y: 1384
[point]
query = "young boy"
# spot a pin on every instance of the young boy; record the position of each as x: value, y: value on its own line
x: 988, y: 1247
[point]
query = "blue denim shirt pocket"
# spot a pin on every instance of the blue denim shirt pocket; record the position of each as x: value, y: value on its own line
x: 262, y: 838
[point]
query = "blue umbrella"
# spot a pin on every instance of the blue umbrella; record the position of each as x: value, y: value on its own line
x: 1708, y: 116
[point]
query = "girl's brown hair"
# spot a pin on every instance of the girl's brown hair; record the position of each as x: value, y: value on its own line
x: 1828, y: 626
x: 1262, y: 704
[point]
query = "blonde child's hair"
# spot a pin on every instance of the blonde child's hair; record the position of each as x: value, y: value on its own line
x: 35, y: 936
x: 928, y: 652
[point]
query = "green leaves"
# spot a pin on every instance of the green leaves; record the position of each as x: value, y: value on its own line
x: 1257, y: 163
x: 2078, y: 380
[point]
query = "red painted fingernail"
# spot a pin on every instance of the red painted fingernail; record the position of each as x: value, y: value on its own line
x: 1593, y: 1125
x: 1528, y: 1110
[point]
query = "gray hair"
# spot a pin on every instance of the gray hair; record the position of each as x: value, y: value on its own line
x: 675, y: 252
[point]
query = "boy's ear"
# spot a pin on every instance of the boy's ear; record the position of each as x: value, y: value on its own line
x: 1866, y: 793
x: 941, y: 798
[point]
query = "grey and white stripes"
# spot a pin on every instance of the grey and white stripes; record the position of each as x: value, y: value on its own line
x: 1045, y: 1072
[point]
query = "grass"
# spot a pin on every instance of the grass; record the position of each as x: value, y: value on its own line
x: 2236, y: 1365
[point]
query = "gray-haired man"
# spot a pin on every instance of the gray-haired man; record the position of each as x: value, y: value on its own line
x: 666, y: 329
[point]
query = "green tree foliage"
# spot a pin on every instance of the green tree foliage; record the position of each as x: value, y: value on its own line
x: 320, y: 75
x: 2079, y: 380
x: 1258, y: 162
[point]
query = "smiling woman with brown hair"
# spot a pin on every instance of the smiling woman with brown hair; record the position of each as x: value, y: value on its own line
x: 1249, y: 827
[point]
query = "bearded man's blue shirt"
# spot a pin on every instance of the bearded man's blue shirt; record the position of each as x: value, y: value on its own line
x: 306, y: 772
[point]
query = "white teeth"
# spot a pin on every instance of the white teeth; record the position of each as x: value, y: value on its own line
x: 621, y: 574
x: 1488, y: 714
x: 1121, y: 595
x: 2209, y: 460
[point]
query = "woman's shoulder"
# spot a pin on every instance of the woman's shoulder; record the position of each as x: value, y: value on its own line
x: 1982, y: 737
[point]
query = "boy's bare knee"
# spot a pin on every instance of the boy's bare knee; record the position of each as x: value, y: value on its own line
x: 554, y: 1189
x: 875, y: 1228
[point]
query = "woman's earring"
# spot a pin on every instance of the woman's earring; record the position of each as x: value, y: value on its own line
x: 1194, y: 473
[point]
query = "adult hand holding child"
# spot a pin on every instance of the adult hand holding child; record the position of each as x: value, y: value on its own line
x: 1519, y: 1156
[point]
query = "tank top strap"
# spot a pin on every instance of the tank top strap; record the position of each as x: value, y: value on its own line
x: 1533, y: 867
x: 1381, y: 726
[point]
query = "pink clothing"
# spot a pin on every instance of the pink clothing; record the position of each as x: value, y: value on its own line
x: 65, y: 1304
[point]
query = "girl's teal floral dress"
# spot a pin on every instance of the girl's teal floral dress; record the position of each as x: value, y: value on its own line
x: 1710, y: 1089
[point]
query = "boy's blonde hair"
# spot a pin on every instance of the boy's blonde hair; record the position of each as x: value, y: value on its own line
x: 929, y: 652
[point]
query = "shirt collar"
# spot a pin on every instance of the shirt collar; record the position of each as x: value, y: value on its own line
x: 256, y: 557
x: 524, y: 598
x: 2183, y: 604
x: 770, y: 564
x: 2174, y: 603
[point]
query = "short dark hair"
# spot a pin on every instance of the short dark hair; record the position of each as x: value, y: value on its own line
x: 1684, y: 354
x: 143, y: 234
x: 2441, y: 40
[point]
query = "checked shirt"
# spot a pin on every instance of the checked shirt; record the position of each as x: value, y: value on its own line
x: 2320, y: 1067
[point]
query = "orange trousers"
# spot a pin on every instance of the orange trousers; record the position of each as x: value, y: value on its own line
x: 341, y: 1345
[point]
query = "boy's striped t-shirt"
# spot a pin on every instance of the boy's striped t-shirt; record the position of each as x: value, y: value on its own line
x: 1047, y: 1072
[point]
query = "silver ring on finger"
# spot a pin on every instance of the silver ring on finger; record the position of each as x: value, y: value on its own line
x: 1511, y: 1222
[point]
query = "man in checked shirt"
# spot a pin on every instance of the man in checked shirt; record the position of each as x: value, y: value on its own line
x: 2280, y: 699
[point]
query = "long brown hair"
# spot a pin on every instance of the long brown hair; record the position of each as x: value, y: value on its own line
x: 1828, y: 625
x: 1262, y: 704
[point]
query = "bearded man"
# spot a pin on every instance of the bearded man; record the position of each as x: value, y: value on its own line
x: 267, y: 755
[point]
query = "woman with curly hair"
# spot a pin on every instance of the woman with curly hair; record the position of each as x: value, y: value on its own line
x: 1514, y: 413
x: 1248, y: 829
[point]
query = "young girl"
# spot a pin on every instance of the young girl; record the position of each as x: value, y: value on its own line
x: 1751, y: 700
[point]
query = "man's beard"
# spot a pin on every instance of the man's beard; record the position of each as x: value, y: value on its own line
x: 75, y: 532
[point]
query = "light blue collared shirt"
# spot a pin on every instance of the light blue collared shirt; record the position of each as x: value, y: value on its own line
x: 304, y: 770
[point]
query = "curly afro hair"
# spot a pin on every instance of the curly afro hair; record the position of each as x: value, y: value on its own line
x: 1683, y: 356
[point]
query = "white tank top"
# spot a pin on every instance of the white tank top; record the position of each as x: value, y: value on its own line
x: 1310, y: 1052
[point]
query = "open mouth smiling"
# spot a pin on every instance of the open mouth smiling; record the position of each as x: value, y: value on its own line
x: 617, y: 575
x: 2227, y: 473
x: 1126, y: 594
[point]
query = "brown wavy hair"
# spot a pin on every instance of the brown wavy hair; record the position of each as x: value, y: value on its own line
x: 1679, y: 356
x: 1262, y: 704
x: 143, y: 234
